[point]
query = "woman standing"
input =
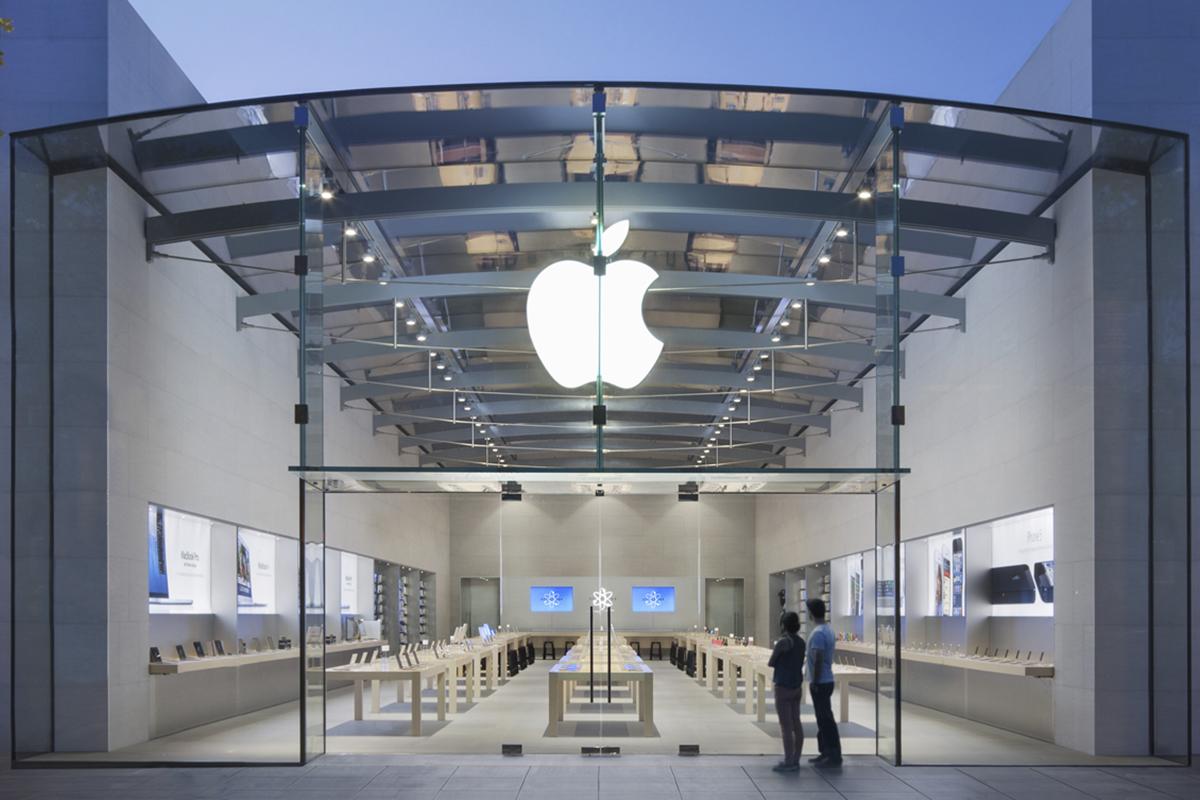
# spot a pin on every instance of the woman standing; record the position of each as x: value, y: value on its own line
x: 788, y: 662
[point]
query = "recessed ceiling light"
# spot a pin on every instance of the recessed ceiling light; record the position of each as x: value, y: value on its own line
x: 443, y: 366
x: 750, y: 378
x: 738, y: 399
x: 783, y: 323
x: 726, y: 417
x: 841, y: 233
x: 422, y: 337
x: 351, y: 231
x: 462, y: 399
x: 765, y: 356
x: 410, y: 321
x: 796, y: 304
x: 733, y: 408
x: 864, y: 194
x: 810, y: 282
x: 326, y: 194
x: 368, y: 258
x: 447, y: 377
x: 382, y: 282
x: 776, y: 338
x: 823, y: 258
x: 758, y: 367
x: 399, y: 304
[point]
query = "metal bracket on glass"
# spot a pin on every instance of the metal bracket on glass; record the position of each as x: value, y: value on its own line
x: 599, y: 415
x: 300, y: 265
x: 301, y: 413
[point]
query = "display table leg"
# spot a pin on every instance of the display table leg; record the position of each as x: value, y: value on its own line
x: 491, y: 673
x: 441, y: 695
x: 731, y: 672
x: 399, y: 691
x: 555, y: 705
x: 451, y: 687
x: 471, y: 673
x: 416, y: 705
x: 750, y: 680
x: 762, y: 698
x: 714, y: 667
x: 375, y: 687
x: 358, y: 700
x: 843, y: 688
x: 646, y: 712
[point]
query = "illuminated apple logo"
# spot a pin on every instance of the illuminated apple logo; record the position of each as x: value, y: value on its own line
x: 562, y: 316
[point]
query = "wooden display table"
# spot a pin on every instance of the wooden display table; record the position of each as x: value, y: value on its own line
x: 245, y: 659
x: 575, y: 668
x: 389, y: 669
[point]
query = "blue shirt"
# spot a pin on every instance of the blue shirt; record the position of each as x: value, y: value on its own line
x: 821, y: 640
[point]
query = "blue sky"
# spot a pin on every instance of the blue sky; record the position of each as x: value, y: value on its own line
x: 949, y: 49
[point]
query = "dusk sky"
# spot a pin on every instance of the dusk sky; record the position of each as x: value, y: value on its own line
x: 948, y: 49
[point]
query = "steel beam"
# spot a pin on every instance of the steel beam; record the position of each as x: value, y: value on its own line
x: 703, y: 123
x: 516, y: 434
x: 552, y: 206
x: 861, y: 297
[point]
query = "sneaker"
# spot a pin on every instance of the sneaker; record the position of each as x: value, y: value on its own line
x: 832, y: 761
x: 817, y: 761
x: 782, y: 767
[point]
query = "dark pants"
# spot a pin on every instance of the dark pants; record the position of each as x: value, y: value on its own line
x: 787, y: 706
x: 828, y: 741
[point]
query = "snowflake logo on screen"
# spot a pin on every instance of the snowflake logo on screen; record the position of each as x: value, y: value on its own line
x: 652, y: 599
x: 551, y: 599
x: 601, y: 599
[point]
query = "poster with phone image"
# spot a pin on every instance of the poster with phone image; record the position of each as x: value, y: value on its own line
x: 947, y: 574
x: 1022, y: 571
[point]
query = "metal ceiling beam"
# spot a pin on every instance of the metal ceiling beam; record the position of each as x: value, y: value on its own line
x: 614, y: 461
x: 663, y: 375
x: 494, y: 123
x: 618, y: 408
x: 546, y: 206
x: 338, y: 297
x: 515, y: 434
x: 550, y: 453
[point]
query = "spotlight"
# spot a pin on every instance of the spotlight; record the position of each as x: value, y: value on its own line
x: 750, y: 378
x: 368, y: 258
x: 447, y: 377
x: 421, y: 337
x: 757, y: 367
x: 810, y: 282
x: 776, y: 338
x: 399, y: 304
x: 841, y: 233
x: 823, y: 258
x: 864, y: 194
x: 783, y: 323
x: 443, y: 366
x: 351, y: 231
x: 410, y: 322
x: 326, y: 194
x: 796, y: 304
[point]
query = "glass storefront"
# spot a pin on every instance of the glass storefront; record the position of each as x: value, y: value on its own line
x: 519, y: 415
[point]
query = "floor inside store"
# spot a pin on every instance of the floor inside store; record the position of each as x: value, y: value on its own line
x: 685, y: 712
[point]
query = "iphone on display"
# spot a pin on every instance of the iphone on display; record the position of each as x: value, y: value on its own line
x: 1043, y: 576
x: 957, y: 578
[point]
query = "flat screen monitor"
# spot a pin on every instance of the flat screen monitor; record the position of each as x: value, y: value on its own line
x: 551, y: 599
x: 653, y: 599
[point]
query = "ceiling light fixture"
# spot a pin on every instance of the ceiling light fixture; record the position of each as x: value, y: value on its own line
x: 765, y: 356
x: 443, y: 366
x: 757, y: 367
x: 410, y: 322
x: 421, y: 337
x: 726, y: 417
x: 368, y: 258
x: 841, y: 233
x: 783, y: 323
x: 810, y: 282
x: 399, y: 304
x: 750, y: 378
x: 326, y: 193
x: 351, y: 231
x: 823, y: 258
x: 864, y: 194
x: 776, y: 338
x: 796, y: 304
x: 447, y: 377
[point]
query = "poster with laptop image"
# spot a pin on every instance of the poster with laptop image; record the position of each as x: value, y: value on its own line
x: 1022, y: 574
x: 255, y: 571
x: 178, y: 559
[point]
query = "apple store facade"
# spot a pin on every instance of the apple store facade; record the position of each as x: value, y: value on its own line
x: 453, y: 419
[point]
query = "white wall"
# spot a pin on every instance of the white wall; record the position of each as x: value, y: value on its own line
x: 647, y: 539
x: 200, y: 419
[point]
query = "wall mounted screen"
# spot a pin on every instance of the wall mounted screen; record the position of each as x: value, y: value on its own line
x: 654, y: 599
x: 1022, y: 574
x: 551, y: 599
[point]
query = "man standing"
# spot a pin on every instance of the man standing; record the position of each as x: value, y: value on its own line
x: 820, y: 687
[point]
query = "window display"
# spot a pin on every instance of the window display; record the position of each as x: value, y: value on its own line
x: 551, y: 599
x: 654, y: 599
x: 179, y: 573
x: 255, y: 572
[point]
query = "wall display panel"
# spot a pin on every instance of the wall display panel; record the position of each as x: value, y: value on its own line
x: 885, y: 587
x: 552, y: 599
x: 1022, y: 574
x: 180, y: 569
x: 256, y: 569
x: 314, y: 577
x: 349, y: 583
x: 653, y: 599
x: 946, y: 569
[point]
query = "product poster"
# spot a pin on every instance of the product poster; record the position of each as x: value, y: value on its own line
x: 255, y: 572
x: 314, y: 577
x: 349, y: 583
x: 1022, y: 574
x: 947, y: 567
x: 854, y: 575
x: 179, y: 570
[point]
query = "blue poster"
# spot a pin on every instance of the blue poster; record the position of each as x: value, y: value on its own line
x: 654, y: 599
x: 550, y: 599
